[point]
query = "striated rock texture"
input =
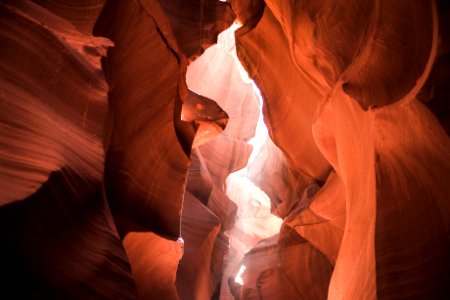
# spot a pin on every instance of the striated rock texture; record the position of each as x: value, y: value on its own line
x: 196, y: 23
x: 52, y: 88
x: 275, y: 176
x: 275, y: 270
x: 113, y: 172
x: 58, y: 237
x: 345, y: 98
x: 92, y: 170
x: 144, y: 174
x: 144, y: 179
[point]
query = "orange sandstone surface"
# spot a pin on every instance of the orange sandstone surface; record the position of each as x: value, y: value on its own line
x: 239, y: 149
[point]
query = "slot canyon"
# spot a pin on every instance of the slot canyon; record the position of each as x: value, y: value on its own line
x: 238, y: 149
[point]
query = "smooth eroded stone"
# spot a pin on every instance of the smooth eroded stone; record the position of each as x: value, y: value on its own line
x: 53, y: 100
x: 283, y: 267
x: 196, y: 23
x: 322, y: 222
x: 413, y: 212
x: 81, y: 13
x: 271, y: 172
x: 146, y: 147
x: 154, y: 261
x: 199, y: 229
x: 366, y: 46
x: 290, y: 99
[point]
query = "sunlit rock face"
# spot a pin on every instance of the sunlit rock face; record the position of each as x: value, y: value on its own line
x: 117, y: 141
x: 274, y: 175
x: 274, y: 270
x: 356, y: 69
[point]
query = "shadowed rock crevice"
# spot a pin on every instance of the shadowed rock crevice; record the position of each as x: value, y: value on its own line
x: 54, y: 249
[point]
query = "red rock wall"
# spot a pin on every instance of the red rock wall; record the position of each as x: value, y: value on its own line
x: 94, y: 169
x: 107, y: 158
x: 58, y: 237
x: 358, y: 69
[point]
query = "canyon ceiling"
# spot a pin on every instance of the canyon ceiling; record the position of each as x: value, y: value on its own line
x: 120, y: 121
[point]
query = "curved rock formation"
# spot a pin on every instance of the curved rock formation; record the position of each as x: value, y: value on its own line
x: 275, y: 270
x: 142, y: 109
x: 215, y: 75
x: 114, y: 156
x: 196, y: 23
x: 49, y: 93
x: 58, y: 237
x: 65, y: 138
x: 387, y: 161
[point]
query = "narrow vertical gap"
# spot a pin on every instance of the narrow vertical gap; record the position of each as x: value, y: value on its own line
x: 254, y: 219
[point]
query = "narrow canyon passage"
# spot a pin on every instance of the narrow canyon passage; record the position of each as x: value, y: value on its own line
x: 219, y: 75
x: 232, y: 149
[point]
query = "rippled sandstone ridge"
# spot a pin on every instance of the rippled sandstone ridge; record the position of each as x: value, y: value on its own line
x: 120, y: 121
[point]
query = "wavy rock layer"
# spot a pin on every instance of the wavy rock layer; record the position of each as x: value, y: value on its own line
x: 287, y: 268
x: 59, y: 127
x: 196, y: 23
x: 200, y: 229
x: 143, y: 109
x: 52, y: 90
x: 82, y: 14
x: 99, y: 178
x: 58, y: 237
x: 382, y: 216
x: 271, y: 172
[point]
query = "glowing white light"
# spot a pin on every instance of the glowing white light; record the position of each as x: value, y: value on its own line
x: 238, y: 279
x: 261, y: 133
x: 254, y: 218
x: 226, y: 40
x: 255, y: 221
x: 179, y: 248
